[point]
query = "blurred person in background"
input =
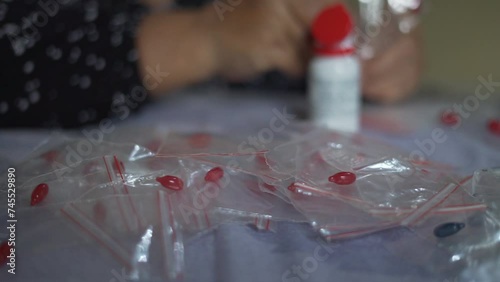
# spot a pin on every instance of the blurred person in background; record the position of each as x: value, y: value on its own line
x: 68, y: 63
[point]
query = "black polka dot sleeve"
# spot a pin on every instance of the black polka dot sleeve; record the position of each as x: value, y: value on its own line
x: 67, y: 63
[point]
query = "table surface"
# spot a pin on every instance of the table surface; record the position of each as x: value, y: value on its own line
x: 239, y: 253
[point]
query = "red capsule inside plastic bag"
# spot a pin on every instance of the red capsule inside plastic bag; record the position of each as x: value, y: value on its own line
x: 50, y: 156
x: 292, y: 187
x: 171, y: 182
x: 449, y: 118
x: 4, y: 252
x: 269, y: 187
x: 214, y: 175
x: 39, y: 193
x: 343, y: 178
x: 200, y: 140
x: 494, y: 126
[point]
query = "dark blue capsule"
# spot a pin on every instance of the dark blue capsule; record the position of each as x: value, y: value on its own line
x: 448, y: 229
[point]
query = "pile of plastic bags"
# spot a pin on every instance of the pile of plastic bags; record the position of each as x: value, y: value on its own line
x: 132, y: 201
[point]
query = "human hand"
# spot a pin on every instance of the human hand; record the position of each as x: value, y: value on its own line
x: 262, y: 35
x: 394, y: 74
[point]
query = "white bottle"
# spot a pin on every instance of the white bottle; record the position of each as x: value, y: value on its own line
x: 334, y: 74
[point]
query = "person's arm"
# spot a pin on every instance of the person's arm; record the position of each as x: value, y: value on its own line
x: 258, y: 36
x: 394, y: 74
x: 178, y: 43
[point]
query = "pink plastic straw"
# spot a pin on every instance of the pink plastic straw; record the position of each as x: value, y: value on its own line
x: 433, y: 202
x: 127, y: 207
x: 173, y: 250
x: 82, y: 221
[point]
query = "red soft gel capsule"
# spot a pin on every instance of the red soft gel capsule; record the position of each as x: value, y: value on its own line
x: 494, y: 126
x: 269, y: 187
x: 449, y: 118
x: 200, y: 140
x: 50, y: 156
x: 39, y: 193
x: 343, y: 178
x: 171, y: 182
x: 214, y: 175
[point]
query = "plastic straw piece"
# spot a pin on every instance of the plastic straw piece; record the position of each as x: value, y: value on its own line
x: 428, y: 206
x: 98, y: 234
x: 262, y: 222
x: 301, y: 188
x: 127, y: 207
x: 173, y: 248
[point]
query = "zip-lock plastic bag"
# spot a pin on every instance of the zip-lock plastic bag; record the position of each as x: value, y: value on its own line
x: 132, y: 197
x: 101, y: 236
x: 240, y: 198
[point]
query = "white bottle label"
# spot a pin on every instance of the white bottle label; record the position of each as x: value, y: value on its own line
x: 334, y: 92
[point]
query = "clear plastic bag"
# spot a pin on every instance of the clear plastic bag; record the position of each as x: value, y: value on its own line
x: 95, y: 231
x: 240, y: 198
x: 142, y: 198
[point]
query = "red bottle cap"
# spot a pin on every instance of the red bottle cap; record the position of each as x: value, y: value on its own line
x: 330, y: 28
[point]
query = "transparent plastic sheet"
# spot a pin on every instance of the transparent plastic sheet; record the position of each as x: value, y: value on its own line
x: 95, y: 232
x: 335, y: 218
x: 92, y: 178
x: 240, y: 198
x: 69, y: 155
x: 461, y: 236
x: 116, y: 194
x: 339, y: 149
x: 388, y: 191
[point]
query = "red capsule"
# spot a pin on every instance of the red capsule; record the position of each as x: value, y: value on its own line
x: 154, y: 145
x: 50, y: 156
x: 200, y: 140
x: 4, y: 252
x: 269, y: 187
x: 214, y: 175
x: 292, y: 187
x: 171, y: 182
x: 494, y: 126
x: 39, y: 193
x: 449, y: 118
x: 343, y: 178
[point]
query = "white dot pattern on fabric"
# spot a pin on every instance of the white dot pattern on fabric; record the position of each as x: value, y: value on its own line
x: 74, y: 54
x: 34, y: 97
x: 100, y: 64
x: 132, y: 55
x: 91, y: 59
x: 28, y: 67
x: 93, y: 36
x: 84, y: 46
x: 54, y: 52
x: 74, y: 80
x: 31, y: 85
x: 75, y: 35
x: 116, y: 39
x: 23, y: 104
x: 91, y: 11
x: 85, y: 82
x: 83, y: 116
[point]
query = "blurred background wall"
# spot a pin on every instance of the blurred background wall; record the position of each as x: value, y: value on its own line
x: 462, y: 41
